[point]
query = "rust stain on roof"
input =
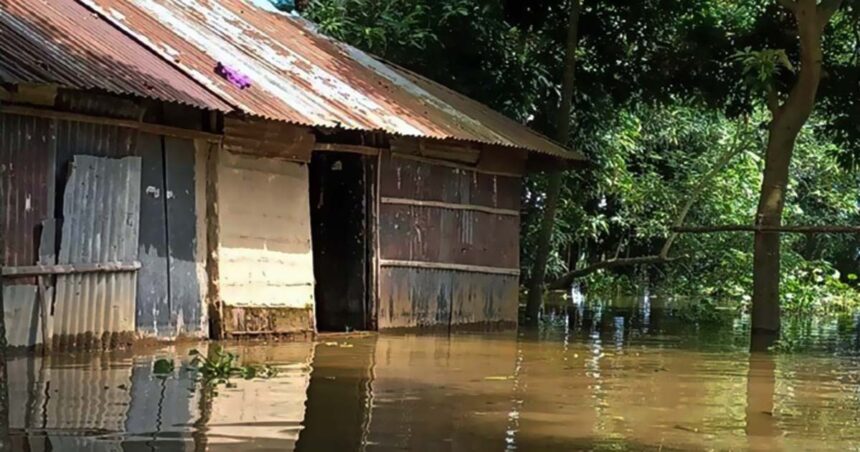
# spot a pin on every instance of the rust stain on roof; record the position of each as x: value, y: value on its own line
x: 62, y: 42
x: 297, y: 75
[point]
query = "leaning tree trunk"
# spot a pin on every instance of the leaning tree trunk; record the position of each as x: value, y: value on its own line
x: 788, y: 119
x: 544, y: 245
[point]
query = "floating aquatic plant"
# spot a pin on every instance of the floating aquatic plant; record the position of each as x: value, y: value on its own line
x: 218, y: 366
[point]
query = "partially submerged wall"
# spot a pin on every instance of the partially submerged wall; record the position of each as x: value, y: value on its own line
x: 265, y: 260
x: 448, y: 236
x: 161, y: 273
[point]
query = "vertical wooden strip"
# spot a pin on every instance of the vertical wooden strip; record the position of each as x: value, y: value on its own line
x: 213, y: 234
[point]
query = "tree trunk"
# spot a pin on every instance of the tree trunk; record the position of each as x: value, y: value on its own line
x: 544, y: 245
x: 785, y: 126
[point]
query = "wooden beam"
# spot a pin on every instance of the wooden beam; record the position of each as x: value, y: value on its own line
x: 353, y: 148
x: 68, y: 269
x: 213, y: 244
x: 447, y: 266
x: 156, y: 129
x: 789, y: 229
x: 449, y: 205
x: 448, y: 164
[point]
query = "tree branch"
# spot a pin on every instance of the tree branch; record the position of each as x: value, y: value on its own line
x: 705, y: 181
x: 565, y: 281
x: 745, y: 228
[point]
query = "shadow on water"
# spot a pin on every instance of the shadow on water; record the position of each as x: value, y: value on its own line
x: 608, y: 377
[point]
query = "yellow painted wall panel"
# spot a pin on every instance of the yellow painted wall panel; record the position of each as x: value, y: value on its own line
x: 265, y: 250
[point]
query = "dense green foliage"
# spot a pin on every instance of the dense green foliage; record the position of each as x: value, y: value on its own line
x: 664, y: 89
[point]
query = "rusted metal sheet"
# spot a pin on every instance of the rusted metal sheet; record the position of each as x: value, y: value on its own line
x: 61, y: 42
x: 25, y: 172
x: 265, y: 257
x: 101, y: 209
x: 297, y: 75
x: 447, y: 258
x: 451, y: 236
x: 412, y: 297
x: 412, y: 179
x: 265, y: 138
x: 21, y: 312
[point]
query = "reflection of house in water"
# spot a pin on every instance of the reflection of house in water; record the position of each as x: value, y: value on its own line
x: 96, y: 403
x: 208, y: 168
x: 411, y: 393
x: 419, y: 393
x: 265, y: 414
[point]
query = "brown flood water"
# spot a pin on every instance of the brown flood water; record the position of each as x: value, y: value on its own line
x: 602, y: 380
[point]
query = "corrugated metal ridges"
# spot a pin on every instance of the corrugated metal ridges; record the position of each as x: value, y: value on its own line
x: 24, y: 172
x: 62, y: 42
x: 299, y: 76
x: 101, y: 210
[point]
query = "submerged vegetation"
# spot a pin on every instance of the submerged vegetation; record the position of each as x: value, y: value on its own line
x: 665, y: 90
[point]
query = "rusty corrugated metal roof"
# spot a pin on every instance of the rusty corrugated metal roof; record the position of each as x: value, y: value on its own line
x: 300, y: 76
x: 62, y: 42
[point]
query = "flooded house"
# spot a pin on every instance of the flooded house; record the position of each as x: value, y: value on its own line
x: 218, y: 168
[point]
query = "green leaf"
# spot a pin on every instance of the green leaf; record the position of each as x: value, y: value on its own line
x: 163, y: 366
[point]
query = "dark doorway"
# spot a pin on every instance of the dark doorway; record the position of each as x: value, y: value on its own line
x: 342, y: 187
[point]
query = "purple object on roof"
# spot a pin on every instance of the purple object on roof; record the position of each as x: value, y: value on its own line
x: 236, y: 78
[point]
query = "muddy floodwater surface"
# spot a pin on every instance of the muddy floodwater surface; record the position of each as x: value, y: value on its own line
x: 592, y: 379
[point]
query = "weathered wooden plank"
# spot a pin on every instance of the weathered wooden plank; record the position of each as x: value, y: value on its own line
x: 351, y: 148
x: 156, y: 129
x: 70, y: 269
x: 265, y: 138
x: 449, y: 205
x: 448, y: 266
x: 213, y: 243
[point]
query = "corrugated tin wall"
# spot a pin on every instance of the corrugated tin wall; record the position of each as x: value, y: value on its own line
x: 448, y: 244
x: 101, y: 213
x: 35, y: 154
x: 25, y: 144
x: 26, y: 172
